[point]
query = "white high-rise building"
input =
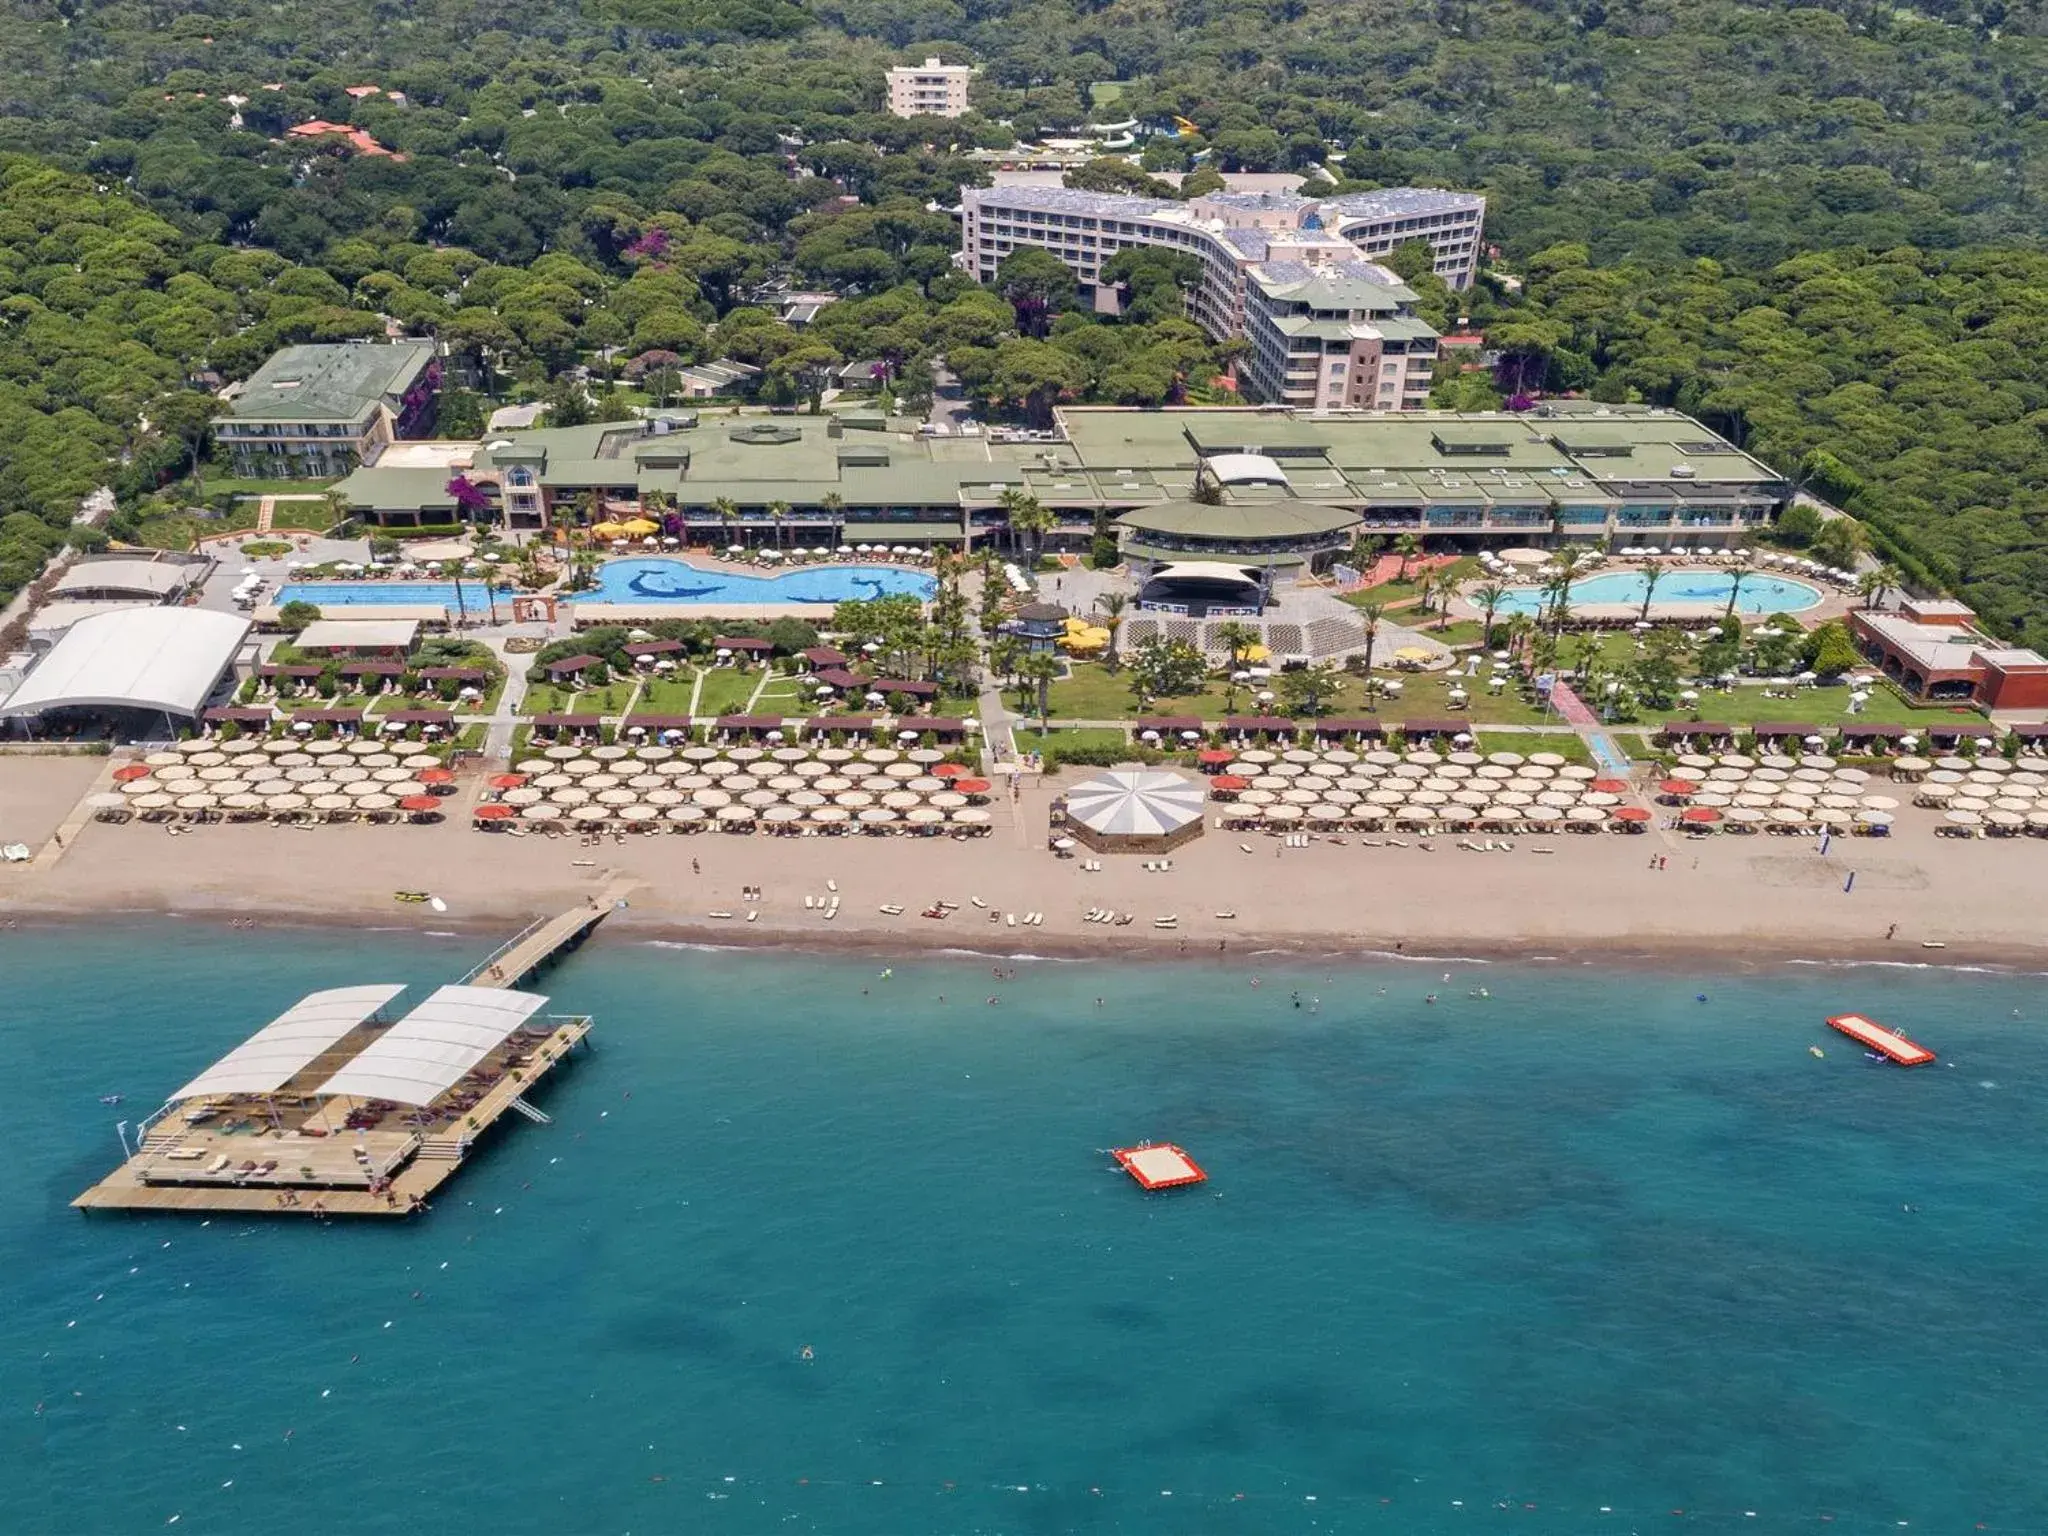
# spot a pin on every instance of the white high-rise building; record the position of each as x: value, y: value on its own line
x: 930, y: 89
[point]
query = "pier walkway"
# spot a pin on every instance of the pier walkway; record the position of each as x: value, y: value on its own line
x: 309, y: 1176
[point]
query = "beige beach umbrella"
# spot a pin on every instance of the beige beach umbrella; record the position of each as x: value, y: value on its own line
x: 1495, y: 773
x: 1933, y: 794
x: 854, y: 799
x: 638, y: 813
x: 1475, y: 799
x: 900, y: 771
x: 1789, y: 815
x: 1436, y: 781
x: 1578, y: 772
x: 1831, y: 816
x: 1953, y: 764
x: 1542, y: 815
x: 590, y: 815
x: 154, y: 800
x: 407, y: 788
x: 162, y: 759
x: 2034, y: 818
x: 783, y: 783
x: 699, y: 754
x: 1298, y: 796
x: 1427, y: 756
x: 924, y: 815
x: 1456, y: 772
x: 596, y: 781
x: 1777, y: 760
x: 1379, y: 757
x: 719, y: 768
x: 1416, y: 815
x: 1880, y: 802
x: 693, y: 781
x: 210, y: 758
x: 1343, y: 756
x: 1719, y: 802
x: 711, y: 799
x: 571, y: 796
x: 1586, y: 815
x: 879, y: 755
x: 811, y: 768
x: 1428, y: 797
x: 1599, y: 797
x: 1561, y: 800
x: 664, y: 797
x: 735, y: 816
x: 387, y: 775
x: 273, y: 786
x: 1547, y: 759
x: 1368, y: 815
x: 924, y: 784
x: 759, y: 798
x: 1516, y: 797
x: 740, y: 783
x: 241, y: 800
x: 686, y: 815
x: 1280, y: 813
x: 806, y: 798
x: 1506, y: 759
x: 646, y: 781
x: 305, y: 775
x: 1738, y: 760
x: 1970, y: 803
x: 582, y: 767
x: 373, y: 760
x: 1838, y: 802
x: 1949, y: 776
x: 290, y: 801
x: 359, y: 790
x: 831, y: 783
x: 1413, y: 772
x: 562, y: 753
x: 1261, y: 755
x: 1272, y: 781
x: 541, y: 813
x: 874, y: 784
x: 1535, y: 770
x: 899, y: 800
x: 616, y: 796
x: 1746, y: 815
x: 973, y: 816
x: 327, y: 804
x: 135, y: 789
x: 835, y: 754
x: 829, y: 815
x: 1299, y: 755
x: 1385, y: 797
x: 745, y: 754
x: 198, y: 800
x: 1325, y: 813
x: 654, y: 753
x: 678, y: 768
x: 610, y: 753
x: 418, y: 760
x: 1343, y: 797
x: 2013, y: 803
x: 1963, y: 818
x: 342, y: 773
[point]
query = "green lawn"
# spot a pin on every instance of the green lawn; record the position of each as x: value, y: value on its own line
x: 727, y: 690
x: 1031, y: 739
x: 1563, y: 743
x: 669, y: 697
x: 1746, y: 705
x: 547, y: 699
x: 1390, y: 592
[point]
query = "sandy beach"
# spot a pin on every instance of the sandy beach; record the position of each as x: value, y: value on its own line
x: 1755, y: 898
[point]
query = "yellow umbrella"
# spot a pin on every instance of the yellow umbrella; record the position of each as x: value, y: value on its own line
x: 639, y: 527
x: 1412, y: 653
x: 1255, y: 653
x: 609, y: 530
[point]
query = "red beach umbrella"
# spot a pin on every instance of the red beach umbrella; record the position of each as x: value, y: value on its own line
x: 1611, y: 786
x: 1632, y: 813
x: 506, y: 780
x: 1678, y: 787
x: 127, y: 773
x: 1229, y: 781
x: 949, y: 770
x: 419, y: 803
x: 437, y: 776
x: 495, y: 812
x: 1215, y: 757
x: 1699, y: 815
x: 971, y: 786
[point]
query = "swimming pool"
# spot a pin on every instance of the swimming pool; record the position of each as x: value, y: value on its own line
x: 669, y: 580
x: 644, y: 580
x: 476, y: 596
x: 1694, y: 589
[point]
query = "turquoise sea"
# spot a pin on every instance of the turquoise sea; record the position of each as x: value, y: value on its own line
x: 1570, y: 1257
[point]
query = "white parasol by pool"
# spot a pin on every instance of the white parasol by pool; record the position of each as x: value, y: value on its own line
x: 1135, y: 803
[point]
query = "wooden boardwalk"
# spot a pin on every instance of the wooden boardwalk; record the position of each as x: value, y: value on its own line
x: 439, y: 1155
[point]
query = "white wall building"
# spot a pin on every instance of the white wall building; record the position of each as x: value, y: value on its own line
x: 1253, y: 248
x: 1336, y: 336
x: 930, y: 89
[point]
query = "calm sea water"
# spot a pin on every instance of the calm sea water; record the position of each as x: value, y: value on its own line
x: 1493, y: 1263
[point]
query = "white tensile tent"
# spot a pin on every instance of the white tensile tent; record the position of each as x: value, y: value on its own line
x: 1135, y: 810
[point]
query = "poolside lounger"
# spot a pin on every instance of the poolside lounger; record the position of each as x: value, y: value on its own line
x: 218, y: 1163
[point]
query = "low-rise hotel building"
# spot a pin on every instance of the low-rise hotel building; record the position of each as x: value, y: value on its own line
x: 322, y: 410
x: 1932, y: 648
x: 1566, y: 475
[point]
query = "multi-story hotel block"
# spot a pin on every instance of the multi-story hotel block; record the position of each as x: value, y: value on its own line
x: 322, y: 410
x: 1334, y: 336
x: 1257, y: 251
x: 930, y: 89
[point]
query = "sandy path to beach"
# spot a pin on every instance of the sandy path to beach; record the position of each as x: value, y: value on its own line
x: 1756, y: 896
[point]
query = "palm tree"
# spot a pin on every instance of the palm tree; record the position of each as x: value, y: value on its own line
x: 1005, y: 657
x: 1650, y: 579
x: 479, y: 537
x: 1736, y: 575
x: 1370, y: 614
x: 778, y: 514
x: 1873, y: 585
x: 1407, y: 546
x: 1113, y: 605
x: 1365, y: 550
x: 338, y: 508
x: 725, y: 509
x: 1039, y: 670
x: 1238, y: 639
x: 833, y: 505
x: 1558, y: 591
x: 1029, y: 518
x: 1488, y: 595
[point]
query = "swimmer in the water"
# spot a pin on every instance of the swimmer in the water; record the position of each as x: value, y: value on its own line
x: 807, y: 1354
x: 1431, y: 998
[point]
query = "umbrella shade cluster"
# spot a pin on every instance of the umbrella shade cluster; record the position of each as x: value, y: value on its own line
x: 247, y: 781
x: 740, y: 789
x: 1419, y: 790
x: 1798, y: 796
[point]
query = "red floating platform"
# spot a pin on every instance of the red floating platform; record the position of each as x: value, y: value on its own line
x: 1886, y: 1042
x: 1159, y: 1165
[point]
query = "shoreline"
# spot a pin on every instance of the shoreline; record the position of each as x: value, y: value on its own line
x: 628, y: 927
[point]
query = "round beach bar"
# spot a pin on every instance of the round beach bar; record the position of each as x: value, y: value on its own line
x: 1134, y: 810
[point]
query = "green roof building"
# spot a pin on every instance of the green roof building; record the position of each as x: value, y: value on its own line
x: 322, y: 410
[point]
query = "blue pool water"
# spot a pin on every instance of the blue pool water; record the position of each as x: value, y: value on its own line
x: 669, y: 580
x: 654, y: 579
x: 1760, y: 594
x: 476, y: 597
x: 1487, y: 1265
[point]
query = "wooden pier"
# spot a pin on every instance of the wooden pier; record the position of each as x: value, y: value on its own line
x: 318, y: 1170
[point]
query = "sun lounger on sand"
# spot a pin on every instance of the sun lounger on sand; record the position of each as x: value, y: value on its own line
x: 977, y: 901
x: 718, y: 914
x: 890, y: 910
